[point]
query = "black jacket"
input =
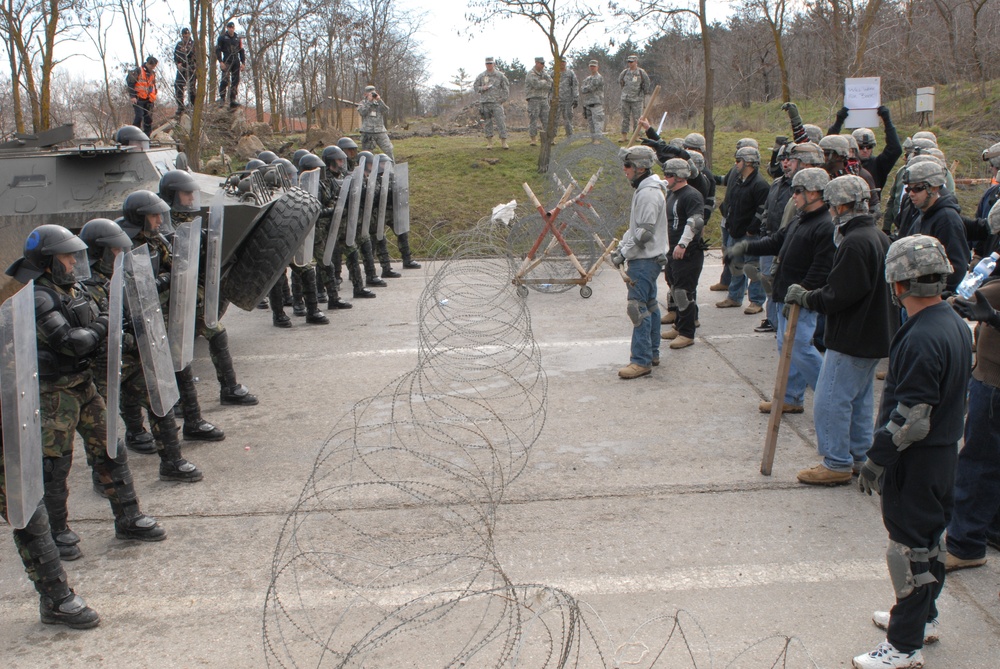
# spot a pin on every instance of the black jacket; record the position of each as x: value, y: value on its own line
x: 777, y: 198
x: 856, y: 298
x: 944, y: 222
x: 229, y: 50
x: 804, y: 252
x: 744, y: 205
x: 879, y: 166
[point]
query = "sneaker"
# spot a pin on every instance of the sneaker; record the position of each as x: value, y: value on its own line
x: 669, y: 334
x: 821, y: 475
x: 728, y: 304
x: 765, y: 326
x: 765, y: 407
x: 634, y: 371
x: 753, y: 308
x: 953, y: 563
x: 668, y: 318
x: 885, y: 656
x: 681, y: 342
x: 932, y: 628
x: 718, y: 287
x: 72, y: 612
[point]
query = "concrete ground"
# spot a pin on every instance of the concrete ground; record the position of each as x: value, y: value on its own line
x: 640, y: 498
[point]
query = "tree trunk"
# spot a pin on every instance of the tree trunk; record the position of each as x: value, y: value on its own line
x: 708, y: 116
x: 864, y: 32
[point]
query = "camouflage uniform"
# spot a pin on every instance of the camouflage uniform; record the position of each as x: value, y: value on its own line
x: 537, y: 89
x: 569, y: 93
x: 592, y: 98
x: 494, y: 89
x: 329, y: 193
x: 635, y: 87
x: 373, y: 130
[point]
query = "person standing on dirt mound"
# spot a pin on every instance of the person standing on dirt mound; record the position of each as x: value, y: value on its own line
x: 229, y: 53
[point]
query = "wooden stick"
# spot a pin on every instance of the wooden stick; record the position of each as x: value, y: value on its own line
x: 780, y: 384
x: 645, y: 113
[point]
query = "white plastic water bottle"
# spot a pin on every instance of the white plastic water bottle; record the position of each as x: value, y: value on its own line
x: 974, y: 279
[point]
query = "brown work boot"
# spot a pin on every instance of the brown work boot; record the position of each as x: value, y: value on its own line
x: 503, y: 144
x: 952, y: 563
x: 672, y: 333
x: 489, y: 142
x: 820, y: 475
x: 753, y: 308
x: 634, y: 371
x: 880, y: 376
x: 681, y: 342
x: 765, y: 407
x: 533, y: 142
x: 728, y: 304
x: 718, y: 287
x: 668, y: 317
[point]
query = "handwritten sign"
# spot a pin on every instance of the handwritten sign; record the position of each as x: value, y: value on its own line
x: 863, y: 93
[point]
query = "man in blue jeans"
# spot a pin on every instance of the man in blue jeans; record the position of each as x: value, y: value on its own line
x: 857, y: 304
x: 644, y: 246
x: 744, y: 212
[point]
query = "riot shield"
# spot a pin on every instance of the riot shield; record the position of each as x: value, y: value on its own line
x: 213, y: 257
x: 401, y: 199
x: 22, y: 425
x: 366, y: 216
x: 338, y: 218
x: 354, y: 203
x: 309, y: 182
x: 383, y: 201
x: 184, y: 292
x: 116, y: 293
x: 146, y: 318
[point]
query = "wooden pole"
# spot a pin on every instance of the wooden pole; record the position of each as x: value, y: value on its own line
x: 780, y: 384
x: 645, y: 113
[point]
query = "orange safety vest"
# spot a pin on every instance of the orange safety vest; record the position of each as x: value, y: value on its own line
x: 145, y: 85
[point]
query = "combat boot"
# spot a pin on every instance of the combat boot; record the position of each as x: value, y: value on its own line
x: 354, y: 271
x: 371, y: 276
x: 55, y: 473
x: 489, y: 142
x: 173, y: 467
x: 195, y: 427
x: 335, y: 302
x: 298, y: 304
x: 321, y: 295
x: 130, y: 521
x: 382, y: 251
x: 58, y: 604
x: 404, y: 250
x: 231, y: 391
x: 503, y: 144
x: 286, y: 292
x: 137, y: 438
x: 278, y: 315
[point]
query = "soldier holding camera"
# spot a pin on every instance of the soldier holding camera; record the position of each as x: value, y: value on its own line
x: 373, y: 132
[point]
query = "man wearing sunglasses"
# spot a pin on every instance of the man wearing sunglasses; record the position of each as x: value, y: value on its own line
x: 644, y: 246
x: 686, y: 257
x: 939, y: 215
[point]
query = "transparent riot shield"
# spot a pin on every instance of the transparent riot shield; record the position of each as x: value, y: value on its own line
x: 213, y: 257
x: 366, y: 216
x: 184, y: 292
x: 383, y: 201
x: 146, y: 318
x: 401, y: 199
x: 309, y: 182
x: 338, y: 219
x: 116, y: 295
x: 22, y: 425
x: 354, y: 203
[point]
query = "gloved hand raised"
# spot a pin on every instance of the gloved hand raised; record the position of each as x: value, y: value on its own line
x: 842, y: 114
x: 792, y: 110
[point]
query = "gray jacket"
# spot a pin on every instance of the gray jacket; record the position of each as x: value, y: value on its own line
x: 649, y: 212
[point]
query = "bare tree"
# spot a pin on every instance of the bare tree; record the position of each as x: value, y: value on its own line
x: 772, y: 12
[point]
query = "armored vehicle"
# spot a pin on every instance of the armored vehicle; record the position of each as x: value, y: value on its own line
x: 47, y: 178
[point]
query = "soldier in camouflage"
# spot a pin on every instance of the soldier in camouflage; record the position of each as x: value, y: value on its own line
x: 537, y: 90
x: 569, y: 95
x: 364, y: 231
x: 635, y: 87
x: 71, y: 329
x: 334, y: 166
x: 494, y: 89
x: 592, y: 96
x: 372, y: 111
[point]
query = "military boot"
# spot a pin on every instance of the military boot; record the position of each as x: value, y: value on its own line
x: 173, y: 467
x: 195, y: 427
x: 298, y: 304
x: 382, y: 251
x: 278, y: 315
x: 130, y: 521
x: 371, y: 276
x: 489, y: 142
x: 137, y: 438
x: 404, y: 250
x: 286, y: 292
x: 55, y: 474
x: 503, y: 143
x: 334, y: 300
x: 358, y: 281
x: 313, y: 314
x: 231, y: 391
x: 58, y: 604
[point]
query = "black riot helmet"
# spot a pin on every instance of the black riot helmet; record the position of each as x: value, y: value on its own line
x: 143, y: 211
x: 42, y: 246
x: 180, y: 191
x: 369, y: 160
x: 104, y: 239
x: 129, y: 135
x: 267, y: 157
x: 297, y: 156
x: 310, y: 161
x: 348, y: 146
x: 287, y: 168
x: 255, y: 164
x: 333, y: 152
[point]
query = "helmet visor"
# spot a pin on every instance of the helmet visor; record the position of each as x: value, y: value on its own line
x: 187, y: 200
x: 156, y: 218
x: 70, y: 268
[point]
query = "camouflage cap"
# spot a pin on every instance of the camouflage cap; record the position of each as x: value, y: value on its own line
x: 993, y: 218
x: 930, y: 172
x: 848, y: 189
x: 992, y: 155
x: 926, y: 134
x: 489, y: 60
x: 808, y: 153
x: 746, y: 141
x: 593, y: 63
x: 639, y: 156
x: 748, y: 154
x: 678, y: 167
x: 835, y: 144
x: 369, y: 89
x: 540, y: 59
x: 632, y: 59
x: 696, y: 141
x: 812, y: 179
x: 917, y: 256
x: 813, y: 132
x: 864, y: 137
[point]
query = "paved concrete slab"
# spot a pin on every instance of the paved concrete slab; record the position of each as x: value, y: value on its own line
x: 632, y: 522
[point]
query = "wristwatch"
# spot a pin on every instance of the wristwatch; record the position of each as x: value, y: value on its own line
x: 683, y: 246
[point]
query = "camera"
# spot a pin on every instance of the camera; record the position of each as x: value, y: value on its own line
x: 780, y: 140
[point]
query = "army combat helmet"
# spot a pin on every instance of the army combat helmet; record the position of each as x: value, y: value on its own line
x: 53, y: 248
x: 921, y: 260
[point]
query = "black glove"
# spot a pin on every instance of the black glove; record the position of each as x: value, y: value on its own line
x: 162, y: 282
x: 576, y: 104
x: 842, y: 114
x: 883, y: 113
x: 978, y: 310
x: 870, y: 477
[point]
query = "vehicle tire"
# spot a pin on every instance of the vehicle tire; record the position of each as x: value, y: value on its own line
x: 269, y: 248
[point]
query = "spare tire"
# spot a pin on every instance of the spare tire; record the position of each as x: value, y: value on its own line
x: 269, y: 248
